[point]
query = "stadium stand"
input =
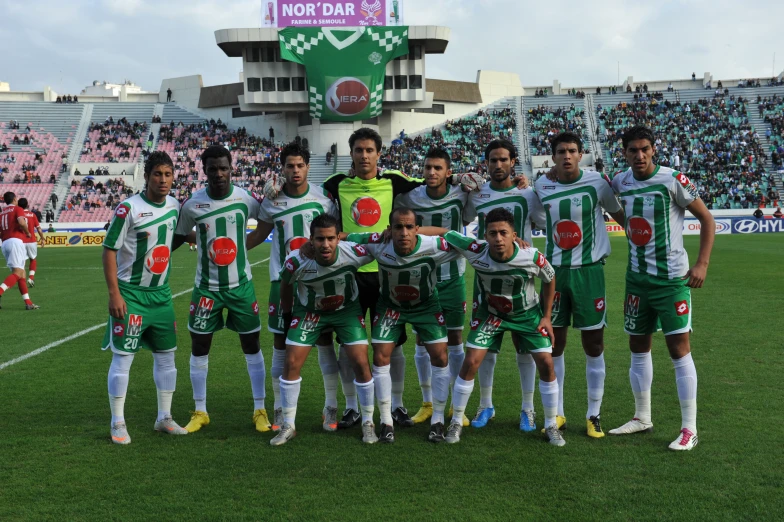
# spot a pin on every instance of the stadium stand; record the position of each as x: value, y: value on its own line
x: 113, y: 141
x: 546, y: 117
x: 92, y: 202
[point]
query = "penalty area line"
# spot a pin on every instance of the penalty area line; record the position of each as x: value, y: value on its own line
x: 78, y: 334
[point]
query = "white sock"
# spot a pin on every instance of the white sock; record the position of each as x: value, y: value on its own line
x: 686, y: 380
x: 383, y: 393
x: 594, y: 376
x: 347, y: 379
x: 560, y: 369
x: 31, y: 273
x: 526, y: 367
x: 257, y: 377
x: 278, y: 360
x: 366, y: 399
x: 440, y: 392
x: 460, y: 395
x: 328, y: 362
x: 164, y: 373
x: 289, y: 395
x: 549, y: 393
x: 641, y: 378
x: 397, y: 372
x: 119, y: 372
x: 422, y: 362
x: 486, y: 370
x: 199, y: 368
x: 456, y: 358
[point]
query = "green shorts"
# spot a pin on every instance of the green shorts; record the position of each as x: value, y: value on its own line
x: 580, y: 293
x: 487, y: 333
x: 149, y: 322
x: 452, y: 297
x: 275, y: 318
x: 206, y: 315
x: 427, y: 318
x: 654, y: 304
x: 307, y: 327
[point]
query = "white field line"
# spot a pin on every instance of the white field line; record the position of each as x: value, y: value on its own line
x: 78, y: 334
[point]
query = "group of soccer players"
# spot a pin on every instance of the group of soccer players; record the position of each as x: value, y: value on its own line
x: 380, y: 242
x: 18, y: 226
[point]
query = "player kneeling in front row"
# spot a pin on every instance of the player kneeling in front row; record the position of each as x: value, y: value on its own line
x: 327, y: 299
x: 505, y: 275
x: 140, y: 301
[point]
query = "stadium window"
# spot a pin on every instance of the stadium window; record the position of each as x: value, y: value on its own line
x: 401, y: 81
x: 253, y: 54
x: 415, y: 81
x: 304, y: 118
x: 415, y: 52
x: 284, y: 84
x: 268, y: 84
x: 268, y: 54
x: 437, y: 108
x: 389, y: 83
x: 254, y: 84
x: 298, y: 83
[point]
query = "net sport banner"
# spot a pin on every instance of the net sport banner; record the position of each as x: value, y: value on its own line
x: 345, y: 67
x: 72, y: 239
x: 331, y: 13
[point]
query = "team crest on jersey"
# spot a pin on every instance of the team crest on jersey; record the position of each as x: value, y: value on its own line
x: 118, y: 330
x: 330, y: 303
x: 557, y: 302
x: 632, y: 305
x: 222, y: 251
x: 204, y: 308
x: 681, y: 308
x: 639, y: 230
x: 405, y: 293
x: 647, y: 201
x: 134, y: 325
x: 578, y: 202
x: 121, y: 212
x: 599, y: 304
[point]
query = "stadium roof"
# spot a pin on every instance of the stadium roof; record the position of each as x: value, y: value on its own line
x: 452, y: 91
x: 220, y: 95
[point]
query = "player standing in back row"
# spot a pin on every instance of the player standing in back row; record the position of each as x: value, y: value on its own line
x: 577, y: 245
x: 13, y: 232
x: 30, y: 243
x: 658, y: 278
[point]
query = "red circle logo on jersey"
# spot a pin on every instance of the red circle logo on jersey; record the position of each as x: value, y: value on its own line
x: 366, y: 211
x: 222, y: 251
x: 500, y: 303
x: 405, y: 293
x: 567, y: 234
x: 157, y: 260
x: 294, y: 243
x: 639, y: 230
x: 331, y: 302
x: 348, y: 96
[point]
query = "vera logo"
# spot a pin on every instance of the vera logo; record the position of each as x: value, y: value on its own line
x: 222, y: 251
x: 294, y: 244
x: 500, y: 303
x: 404, y: 293
x: 348, y: 96
x: 599, y: 304
x: 118, y: 330
x: 639, y: 231
x: 157, y: 260
x: 365, y: 211
x: 567, y: 234
x: 329, y: 303
x: 681, y: 308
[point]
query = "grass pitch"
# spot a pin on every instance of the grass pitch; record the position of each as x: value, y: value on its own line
x: 57, y: 461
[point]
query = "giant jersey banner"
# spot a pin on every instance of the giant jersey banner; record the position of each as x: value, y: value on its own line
x: 331, y: 13
x: 345, y: 67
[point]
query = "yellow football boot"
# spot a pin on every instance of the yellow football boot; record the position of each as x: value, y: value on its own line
x: 199, y: 419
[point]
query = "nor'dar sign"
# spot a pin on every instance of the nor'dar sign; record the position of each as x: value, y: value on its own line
x: 331, y: 13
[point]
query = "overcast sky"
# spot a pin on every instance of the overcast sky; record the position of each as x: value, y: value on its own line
x: 67, y: 44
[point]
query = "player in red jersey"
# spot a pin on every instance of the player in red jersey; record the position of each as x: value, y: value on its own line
x: 13, y: 231
x: 30, y: 243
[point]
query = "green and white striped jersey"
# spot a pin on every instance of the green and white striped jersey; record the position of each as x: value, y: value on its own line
x: 141, y: 232
x: 291, y: 217
x: 506, y: 286
x: 655, y: 207
x: 519, y: 202
x: 326, y: 288
x: 406, y: 281
x: 220, y: 236
x: 445, y: 212
x: 575, y: 230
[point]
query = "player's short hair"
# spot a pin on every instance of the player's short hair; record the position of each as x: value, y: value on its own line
x: 323, y: 221
x: 294, y: 149
x: 500, y: 144
x: 156, y: 159
x: 439, y: 153
x: 214, y: 152
x: 365, y: 133
x: 498, y: 215
x: 9, y: 197
x: 638, y: 132
x: 401, y: 211
x: 566, y: 137
x: 22, y: 203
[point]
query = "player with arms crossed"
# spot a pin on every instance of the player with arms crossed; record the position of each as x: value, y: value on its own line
x: 13, y: 233
x: 326, y: 299
x: 658, y: 278
x: 577, y: 245
x: 136, y: 263
x: 223, y: 280
x: 30, y: 243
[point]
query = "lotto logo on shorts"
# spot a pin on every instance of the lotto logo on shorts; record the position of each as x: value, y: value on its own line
x: 134, y: 325
x: 681, y: 308
x: 464, y: 307
x: 557, y: 302
x: 362, y: 320
x: 633, y: 305
x: 272, y: 309
x: 474, y: 324
x: 475, y: 305
x: 294, y: 322
x: 599, y: 304
x: 440, y: 319
x: 118, y: 330
x: 255, y: 307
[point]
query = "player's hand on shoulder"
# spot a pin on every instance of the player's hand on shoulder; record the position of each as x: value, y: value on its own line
x: 522, y: 181
x: 522, y: 243
x: 307, y: 250
x: 273, y: 185
x: 468, y: 181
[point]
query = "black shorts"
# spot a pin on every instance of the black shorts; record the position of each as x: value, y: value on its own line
x: 369, y: 291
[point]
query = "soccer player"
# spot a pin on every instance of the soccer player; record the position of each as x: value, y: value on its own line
x: 136, y: 262
x: 505, y: 273
x: 502, y: 192
x: 326, y: 299
x: 439, y: 204
x: 577, y: 245
x: 13, y: 233
x: 289, y: 217
x: 408, y: 267
x: 658, y: 277
x: 220, y: 212
x: 30, y: 243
